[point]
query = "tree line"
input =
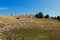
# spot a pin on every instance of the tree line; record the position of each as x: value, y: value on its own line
x: 41, y: 15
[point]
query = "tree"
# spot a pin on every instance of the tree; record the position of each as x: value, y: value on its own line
x: 36, y: 15
x: 39, y: 15
x: 47, y: 16
x: 58, y: 18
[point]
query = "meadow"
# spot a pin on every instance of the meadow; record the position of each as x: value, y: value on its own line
x: 28, y: 28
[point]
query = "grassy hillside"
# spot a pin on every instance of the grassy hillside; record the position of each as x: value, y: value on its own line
x: 27, y: 28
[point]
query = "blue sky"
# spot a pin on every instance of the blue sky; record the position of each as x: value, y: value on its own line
x: 15, y: 7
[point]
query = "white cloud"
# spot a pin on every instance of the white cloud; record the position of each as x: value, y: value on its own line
x: 2, y: 8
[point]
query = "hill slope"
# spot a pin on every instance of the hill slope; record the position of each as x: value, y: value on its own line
x: 27, y: 28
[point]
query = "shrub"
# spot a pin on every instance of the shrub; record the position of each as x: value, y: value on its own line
x: 58, y: 18
x: 47, y: 16
x: 54, y: 18
x: 36, y: 15
x: 17, y: 18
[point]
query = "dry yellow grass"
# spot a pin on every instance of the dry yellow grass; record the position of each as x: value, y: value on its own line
x: 49, y: 33
x: 12, y: 20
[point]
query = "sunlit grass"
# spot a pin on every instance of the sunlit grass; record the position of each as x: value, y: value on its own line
x: 38, y: 29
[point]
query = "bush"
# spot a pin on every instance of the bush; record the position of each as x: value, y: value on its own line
x: 36, y: 15
x: 54, y: 18
x: 17, y: 18
x: 47, y: 16
x: 58, y: 18
x: 39, y: 15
